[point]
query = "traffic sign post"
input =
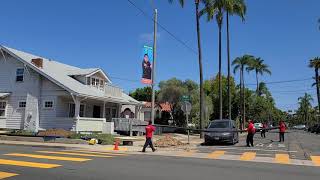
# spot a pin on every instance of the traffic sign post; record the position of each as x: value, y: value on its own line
x: 186, y: 108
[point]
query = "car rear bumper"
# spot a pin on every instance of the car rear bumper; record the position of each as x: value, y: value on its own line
x: 215, y: 139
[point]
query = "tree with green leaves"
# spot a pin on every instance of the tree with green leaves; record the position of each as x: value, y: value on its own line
x: 202, y: 98
x: 315, y: 63
x: 142, y: 94
x: 240, y: 63
x: 305, y: 106
x: 258, y: 65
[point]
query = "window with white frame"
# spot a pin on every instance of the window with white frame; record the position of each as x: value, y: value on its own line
x: 22, y: 104
x: 19, y: 74
x: 72, y: 110
x: 48, y: 104
x: 3, y: 107
x: 96, y: 82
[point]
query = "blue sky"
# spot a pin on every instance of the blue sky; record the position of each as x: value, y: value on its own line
x: 110, y: 35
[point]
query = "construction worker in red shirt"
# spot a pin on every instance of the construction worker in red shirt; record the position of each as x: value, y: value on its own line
x: 282, y: 130
x: 251, y: 130
x: 263, y: 130
x: 149, y: 132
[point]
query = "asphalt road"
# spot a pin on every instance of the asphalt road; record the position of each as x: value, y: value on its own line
x: 298, y: 144
x: 139, y: 167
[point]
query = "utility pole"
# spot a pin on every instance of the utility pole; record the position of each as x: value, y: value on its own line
x: 155, y: 21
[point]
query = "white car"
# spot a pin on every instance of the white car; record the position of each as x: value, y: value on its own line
x: 258, y: 126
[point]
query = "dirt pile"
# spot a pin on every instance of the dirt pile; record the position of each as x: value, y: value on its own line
x: 55, y: 132
x: 168, y: 141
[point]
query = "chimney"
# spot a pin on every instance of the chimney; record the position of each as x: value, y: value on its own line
x: 37, y: 62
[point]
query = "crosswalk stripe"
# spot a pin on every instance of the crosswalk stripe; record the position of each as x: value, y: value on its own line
x: 248, y: 156
x: 75, y: 154
x: 282, y: 158
x: 6, y: 175
x: 96, y: 152
x: 49, y: 157
x: 315, y: 160
x: 216, y: 154
x: 27, y: 164
x: 188, y: 153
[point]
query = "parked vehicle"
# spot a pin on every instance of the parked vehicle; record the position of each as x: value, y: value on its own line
x: 299, y: 127
x: 222, y: 131
x: 317, y: 129
x: 258, y: 126
x: 314, y: 128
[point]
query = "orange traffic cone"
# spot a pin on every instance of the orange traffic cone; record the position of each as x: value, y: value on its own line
x: 116, y: 145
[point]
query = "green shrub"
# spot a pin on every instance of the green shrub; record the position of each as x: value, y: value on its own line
x: 22, y: 133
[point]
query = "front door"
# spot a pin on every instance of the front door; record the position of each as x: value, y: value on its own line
x: 96, y: 111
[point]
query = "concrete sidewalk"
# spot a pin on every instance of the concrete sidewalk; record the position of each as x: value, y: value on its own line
x: 195, y: 141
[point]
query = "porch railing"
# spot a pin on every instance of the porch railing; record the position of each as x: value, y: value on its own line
x: 111, y: 90
x: 129, y: 125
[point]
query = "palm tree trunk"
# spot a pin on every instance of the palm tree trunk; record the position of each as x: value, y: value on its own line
x: 220, y: 86
x: 228, y: 52
x: 200, y: 70
x: 257, y: 82
x: 241, y: 108
x: 243, y: 99
x: 317, y: 83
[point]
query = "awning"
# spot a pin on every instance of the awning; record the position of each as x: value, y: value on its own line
x: 3, y: 95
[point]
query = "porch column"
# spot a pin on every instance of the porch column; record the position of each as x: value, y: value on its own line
x: 76, y: 100
x: 119, y: 110
x: 136, y: 112
x: 104, y: 110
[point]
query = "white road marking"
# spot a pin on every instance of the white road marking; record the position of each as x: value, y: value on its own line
x: 259, y: 145
x: 281, y: 145
x: 270, y: 145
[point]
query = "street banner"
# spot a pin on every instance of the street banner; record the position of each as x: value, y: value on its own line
x: 147, y: 65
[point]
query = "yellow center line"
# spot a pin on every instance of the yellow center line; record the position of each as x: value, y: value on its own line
x: 75, y: 154
x: 282, y: 158
x: 48, y: 157
x: 216, y: 154
x: 96, y: 152
x: 316, y: 160
x: 27, y: 164
x: 6, y: 175
x: 248, y: 156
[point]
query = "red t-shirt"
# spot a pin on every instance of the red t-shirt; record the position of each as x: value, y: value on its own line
x: 282, y: 127
x: 251, y: 128
x: 149, y: 131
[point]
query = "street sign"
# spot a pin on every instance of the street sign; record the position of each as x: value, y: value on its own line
x: 186, y: 107
x: 185, y: 98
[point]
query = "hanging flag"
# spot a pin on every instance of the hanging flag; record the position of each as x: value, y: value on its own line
x: 147, y: 65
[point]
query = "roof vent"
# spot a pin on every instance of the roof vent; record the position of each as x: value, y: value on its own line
x: 37, y: 62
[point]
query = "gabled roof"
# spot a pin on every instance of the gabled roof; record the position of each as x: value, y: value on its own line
x: 60, y: 74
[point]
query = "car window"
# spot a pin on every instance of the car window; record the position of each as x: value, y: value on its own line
x: 221, y: 124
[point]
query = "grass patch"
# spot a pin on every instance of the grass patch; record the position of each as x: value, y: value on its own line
x: 21, y: 133
x: 104, y: 139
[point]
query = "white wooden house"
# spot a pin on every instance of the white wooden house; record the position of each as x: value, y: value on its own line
x: 38, y: 93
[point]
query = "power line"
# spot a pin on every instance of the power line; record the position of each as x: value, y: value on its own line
x: 164, y: 28
x: 284, y: 81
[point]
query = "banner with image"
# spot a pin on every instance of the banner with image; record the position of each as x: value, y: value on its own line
x: 147, y: 65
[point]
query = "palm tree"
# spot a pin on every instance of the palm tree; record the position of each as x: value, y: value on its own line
x: 315, y: 63
x: 214, y: 10
x: 305, y: 105
x: 202, y: 115
x: 259, y: 67
x: 239, y: 65
x: 239, y: 8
